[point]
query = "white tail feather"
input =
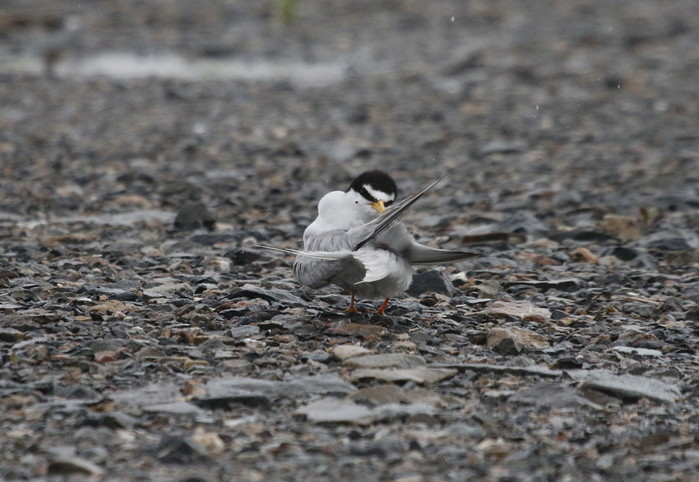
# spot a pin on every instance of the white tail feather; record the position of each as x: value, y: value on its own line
x: 329, y: 255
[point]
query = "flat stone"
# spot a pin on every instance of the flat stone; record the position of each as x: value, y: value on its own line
x: 394, y: 411
x: 539, y: 371
x: 345, y: 352
x: 521, y: 310
x: 166, y: 290
x: 385, y: 360
x: 317, y: 385
x: 156, y: 393
x: 331, y: 410
x: 553, y: 395
x: 626, y: 386
x: 630, y: 350
x: 393, y: 394
x: 251, y: 391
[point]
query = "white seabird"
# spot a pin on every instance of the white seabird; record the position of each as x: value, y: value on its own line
x: 357, y: 246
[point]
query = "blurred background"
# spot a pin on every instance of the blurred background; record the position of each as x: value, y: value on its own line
x: 257, y: 108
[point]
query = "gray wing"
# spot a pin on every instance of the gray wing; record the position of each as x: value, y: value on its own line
x: 421, y: 254
x: 316, y: 272
x: 367, y: 232
x: 398, y: 239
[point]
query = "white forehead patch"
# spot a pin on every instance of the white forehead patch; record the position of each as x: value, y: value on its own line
x: 379, y: 195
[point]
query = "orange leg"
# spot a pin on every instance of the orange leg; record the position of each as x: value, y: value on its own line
x: 352, y: 309
x: 383, y: 306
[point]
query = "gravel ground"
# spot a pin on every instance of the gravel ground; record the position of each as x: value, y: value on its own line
x: 146, y: 146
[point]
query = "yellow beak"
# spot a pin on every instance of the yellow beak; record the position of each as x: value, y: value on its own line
x: 378, y: 206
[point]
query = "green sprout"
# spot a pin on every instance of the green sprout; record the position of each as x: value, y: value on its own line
x: 286, y: 10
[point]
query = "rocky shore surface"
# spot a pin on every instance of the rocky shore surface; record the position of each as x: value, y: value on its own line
x: 145, y: 147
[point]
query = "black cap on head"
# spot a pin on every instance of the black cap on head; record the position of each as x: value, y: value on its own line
x: 377, y: 181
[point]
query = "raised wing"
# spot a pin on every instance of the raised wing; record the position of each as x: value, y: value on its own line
x: 372, y: 229
x: 420, y: 254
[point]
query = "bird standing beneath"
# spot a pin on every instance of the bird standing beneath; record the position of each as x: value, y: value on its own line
x: 357, y: 243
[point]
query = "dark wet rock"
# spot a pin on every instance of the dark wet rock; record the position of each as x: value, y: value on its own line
x: 405, y: 307
x: 505, y: 345
x: 77, y: 392
x: 671, y: 240
x: 113, y: 420
x: 74, y: 466
x: 243, y: 257
x: 430, y: 281
x: 194, y: 216
x: 568, y: 364
x: 274, y: 295
x: 11, y: 335
x: 560, y: 284
x: 637, y: 258
x: 176, y: 450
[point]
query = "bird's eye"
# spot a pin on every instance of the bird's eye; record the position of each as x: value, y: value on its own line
x: 388, y: 203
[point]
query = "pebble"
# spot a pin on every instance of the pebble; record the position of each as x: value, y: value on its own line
x: 194, y: 216
x: 430, y: 281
